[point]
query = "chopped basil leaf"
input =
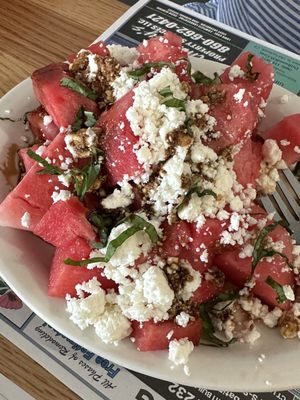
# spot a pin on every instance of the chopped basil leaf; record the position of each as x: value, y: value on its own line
x: 250, y: 75
x: 83, y: 178
x: 208, y: 330
x: 199, y: 77
x: 86, y: 178
x: 83, y: 119
x: 90, y: 119
x: 146, y: 68
x: 104, y: 225
x: 176, y: 103
x: 260, y: 250
x: 138, y: 224
x: 189, y: 65
x: 281, y: 297
x: 166, y: 92
x: 200, y: 193
x: 48, y: 168
x: 78, y: 87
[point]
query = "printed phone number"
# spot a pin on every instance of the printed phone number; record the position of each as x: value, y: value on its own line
x: 188, y: 33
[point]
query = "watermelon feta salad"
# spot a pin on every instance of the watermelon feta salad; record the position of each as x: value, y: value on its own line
x: 146, y: 175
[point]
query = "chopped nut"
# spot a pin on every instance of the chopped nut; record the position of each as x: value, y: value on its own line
x: 106, y: 71
x: 289, y: 325
x: 81, y: 143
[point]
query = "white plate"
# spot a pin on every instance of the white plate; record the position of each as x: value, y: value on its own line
x: 25, y: 261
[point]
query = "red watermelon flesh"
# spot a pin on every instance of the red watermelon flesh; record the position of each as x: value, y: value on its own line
x: 247, y: 162
x: 184, y: 240
x: 33, y: 193
x: 64, y: 222
x: 235, y: 117
x: 98, y: 48
x: 287, y: 134
x: 60, y: 102
x: 27, y: 161
x: 150, y: 336
x: 166, y: 48
x: 208, y: 289
x: 238, y: 270
x: 259, y: 88
x: 63, y: 278
x: 119, y: 140
x: 37, y: 126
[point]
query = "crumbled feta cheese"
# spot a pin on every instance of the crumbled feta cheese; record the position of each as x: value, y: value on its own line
x: 151, y: 120
x: 147, y: 297
x: 47, y: 119
x: 85, y: 311
x: 112, y: 326
x: 201, y: 153
x: 252, y: 336
x: 236, y: 72
x: 180, y: 350
x: 284, y: 142
x: 169, y: 334
x: 297, y: 149
x: 25, y: 220
x: 238, y: 97
x: 288, y: 292
x: 92, y: 67
x: 191, y: 286
x: 170, y: 189
x: 123, y: 54
x: 122, y: 84
x: 182, y: 319
x: 40, y: 150
x: 61, y: 195
x: 271, y: 151
x: 122, y: 197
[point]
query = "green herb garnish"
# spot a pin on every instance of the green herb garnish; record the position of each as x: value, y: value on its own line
x: 104, y: 225
x: 281, y: 297
x: 260, y: 250
x: 199, y: 77
x: 83, y: 178
x: 189, y: 65
x: 176, y: 103
x: 83, y: 119
x: 78, y: 87
x: 138, y: 224
x: 208, y: 331
x: 146, y: 68
x: 199, y: 192
x: 48, y: 168
x: 166, y: 92
x: 250, y: 75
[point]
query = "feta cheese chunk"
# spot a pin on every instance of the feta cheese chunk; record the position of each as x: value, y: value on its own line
x: 180, y: 350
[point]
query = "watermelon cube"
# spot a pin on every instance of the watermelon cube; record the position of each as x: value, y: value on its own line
x: 151, y: 336
x: 64, y: 222
x: 24, y: 157
x: 60, y: 102
x: 261, y: 85
x: 235, y: 116
x: 64, y: 278
x: 33, y: 193
x: 118, y: 141
x: 98, y: 48
x: 39, y: 126
x: 287, y: 134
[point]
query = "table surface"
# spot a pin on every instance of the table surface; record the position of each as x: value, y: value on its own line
x: 34, y: 33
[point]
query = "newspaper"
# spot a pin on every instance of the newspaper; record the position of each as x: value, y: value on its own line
x: 89, y: 375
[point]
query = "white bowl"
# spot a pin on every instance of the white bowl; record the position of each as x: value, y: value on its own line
x: 25, y: 262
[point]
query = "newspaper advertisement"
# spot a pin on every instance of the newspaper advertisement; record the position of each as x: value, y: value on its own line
x: 90, y: 375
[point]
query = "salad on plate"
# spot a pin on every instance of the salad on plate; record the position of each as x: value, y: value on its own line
x: 146, y: 176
